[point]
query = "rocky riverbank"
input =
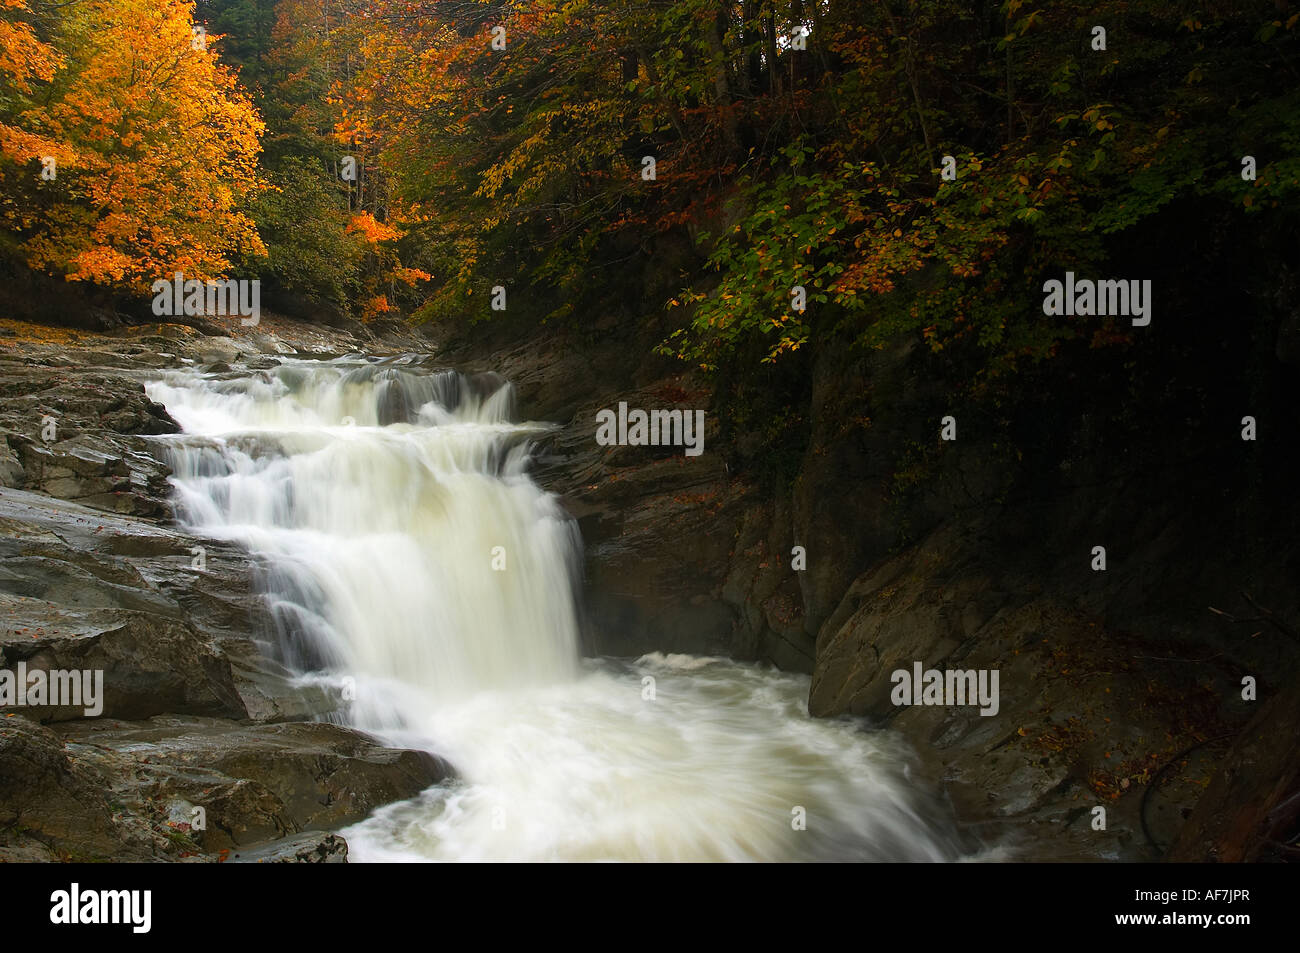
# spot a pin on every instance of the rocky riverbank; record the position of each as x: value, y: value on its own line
x: 93, y: 575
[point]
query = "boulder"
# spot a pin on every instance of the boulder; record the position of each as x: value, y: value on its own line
x: 254, y: 783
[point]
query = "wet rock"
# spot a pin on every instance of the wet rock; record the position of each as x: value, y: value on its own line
x: 12, y: 473
x: 309, y: 847
x: 657, y: 526
x: 53, y: 806
x: 129, y: 791
x: 253, y: 783
x: 84, y: 589
x: 150, y: 664
x: 1090, y: 711
x: 82, y: 437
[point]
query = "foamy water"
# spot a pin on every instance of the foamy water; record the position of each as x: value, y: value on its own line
x: 415, y: 566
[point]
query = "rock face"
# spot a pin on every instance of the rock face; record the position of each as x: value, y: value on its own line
x: 682, y: 555
x: 205, y: 748
x: 255, y: 783
x: 177, y: 788
x: 1089, y: 714
x: 51, y: 806
x: 82, y: 440
x: 1251, y: 810
x: 310, y: 847
x: 85, y: 589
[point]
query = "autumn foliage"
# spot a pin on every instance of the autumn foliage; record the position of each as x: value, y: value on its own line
x: 800, y: 144
x: 147, y: 143
x: 692, y: 161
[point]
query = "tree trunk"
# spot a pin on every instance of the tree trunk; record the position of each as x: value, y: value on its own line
x: 753, y: 40
x: 721, y: 86
x: 773, y: 74
x: 798, y: 58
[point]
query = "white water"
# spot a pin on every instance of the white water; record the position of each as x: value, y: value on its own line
x: 378, y: 491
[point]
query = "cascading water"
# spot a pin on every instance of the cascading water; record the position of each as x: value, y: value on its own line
x: 414, y: 561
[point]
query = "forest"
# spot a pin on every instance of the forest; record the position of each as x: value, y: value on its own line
x: 914, y: 169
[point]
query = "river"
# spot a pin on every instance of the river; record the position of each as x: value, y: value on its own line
x: 416, y: 569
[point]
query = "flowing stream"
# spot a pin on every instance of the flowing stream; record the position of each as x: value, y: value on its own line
x: 416, y: 567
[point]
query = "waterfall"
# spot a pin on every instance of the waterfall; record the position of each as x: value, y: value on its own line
x: 415, y: 566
